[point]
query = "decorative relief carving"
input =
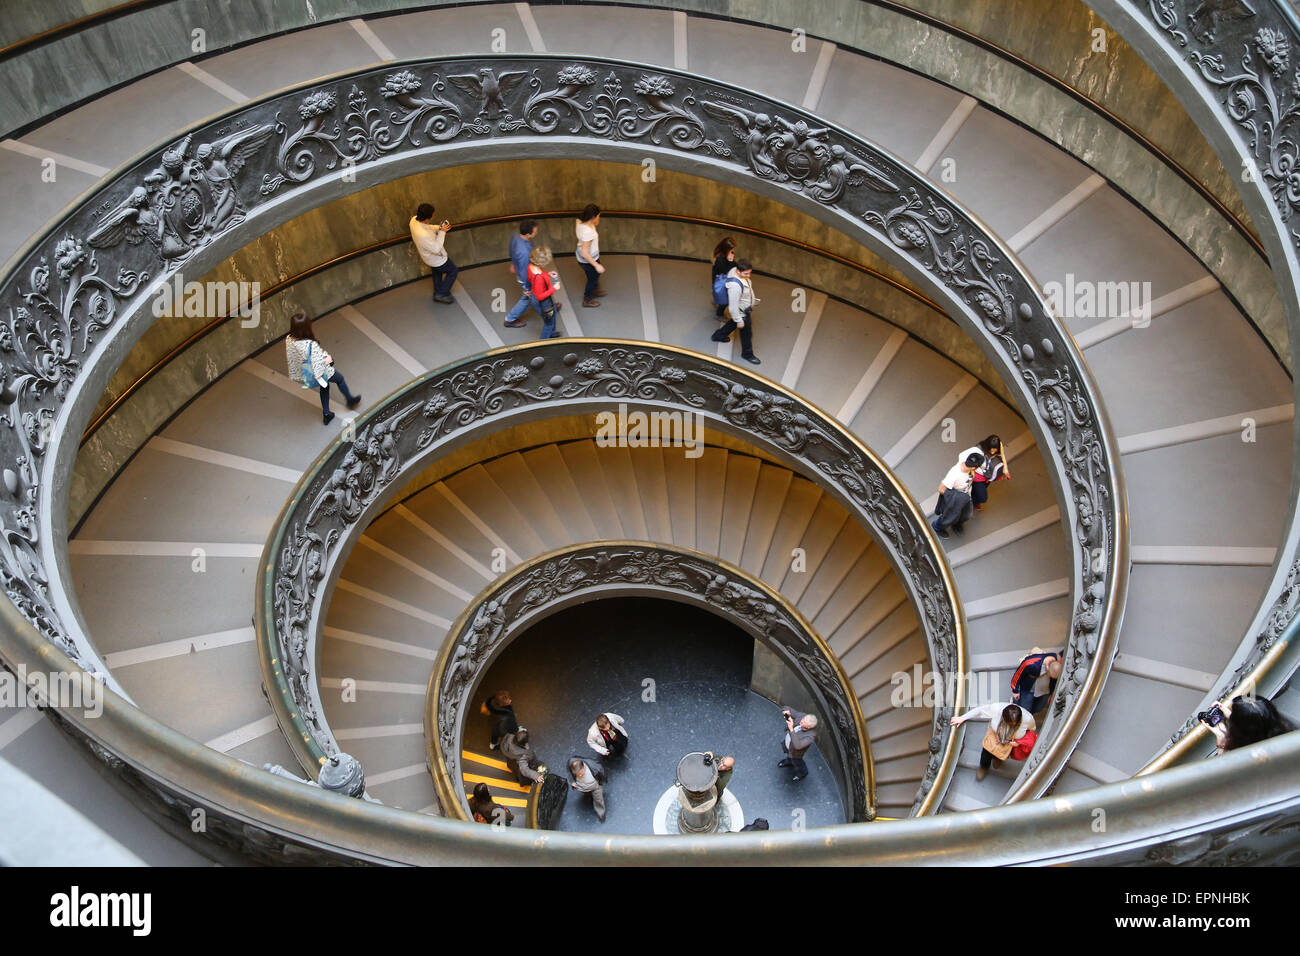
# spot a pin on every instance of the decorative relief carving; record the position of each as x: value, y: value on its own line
x: 1261, y: 98
x: 149, y: 220
x: 464, y: 396
x: 521, y: 596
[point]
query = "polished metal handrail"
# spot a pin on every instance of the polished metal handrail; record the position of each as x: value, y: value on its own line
x: 354, y: 478
x: 78, y: 294
x: 1243, y: 807
x: 401, y: 240
x: 560, y: 578
x: 1233, y: 71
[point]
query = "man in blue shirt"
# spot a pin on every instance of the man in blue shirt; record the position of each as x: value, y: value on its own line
x: 521, y: 249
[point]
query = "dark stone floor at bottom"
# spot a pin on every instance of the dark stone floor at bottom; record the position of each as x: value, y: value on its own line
x: 596, y: 657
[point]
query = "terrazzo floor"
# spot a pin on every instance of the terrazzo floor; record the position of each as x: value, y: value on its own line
x: 597, y: 657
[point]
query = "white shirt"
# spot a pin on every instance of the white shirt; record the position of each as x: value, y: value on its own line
x: 740, y: 296
x: 587, y: 233
x: 993, y: 714
x: 587, y: 782
x: 958, y: 480
x: 594, y: 739
x: 428, y: 240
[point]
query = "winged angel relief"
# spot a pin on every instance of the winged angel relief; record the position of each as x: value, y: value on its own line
x: 797, y: 152
x: 187, y: 200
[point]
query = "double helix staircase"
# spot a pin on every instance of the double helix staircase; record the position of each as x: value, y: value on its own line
x: 164, y: 563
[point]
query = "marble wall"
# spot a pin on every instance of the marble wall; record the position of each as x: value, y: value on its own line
x: 524, y: 187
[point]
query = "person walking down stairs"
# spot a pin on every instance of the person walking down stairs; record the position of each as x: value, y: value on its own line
x: 954, y: 507
x: 544, y: 284
x: 588, y: 254
x: 724, y: 259
x: 430, y: 242
x: 1008, y: 726
x: 740, y: 305
x: 312, y: 367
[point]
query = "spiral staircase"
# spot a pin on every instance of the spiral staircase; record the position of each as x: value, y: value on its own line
x: 165, y: 559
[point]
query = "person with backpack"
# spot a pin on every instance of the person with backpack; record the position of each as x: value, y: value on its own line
x: 740, y: 305
x: 586, y: 780
x: 1034, y: 680
x: 995, y: 468
x: 724, y: 258
x: 312, y: 367
x: 544, y: 285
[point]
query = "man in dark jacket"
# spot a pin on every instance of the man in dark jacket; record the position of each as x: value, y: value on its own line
x: 1034, y: 681
x: 501, y: 708
x: 726, y: 767
x: 521, y: 758
x: 801, y: 733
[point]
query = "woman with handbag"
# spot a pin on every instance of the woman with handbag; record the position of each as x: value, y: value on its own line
x: 544, y: 285
x: 1008, y: 724
x: 311, y: 366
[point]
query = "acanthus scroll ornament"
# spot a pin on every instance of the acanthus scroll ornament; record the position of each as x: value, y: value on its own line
x: 519, y: 598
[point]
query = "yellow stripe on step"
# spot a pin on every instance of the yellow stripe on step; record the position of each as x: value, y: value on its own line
x: 485, y: 761
x: 505, y: 801
x: 495, y: 782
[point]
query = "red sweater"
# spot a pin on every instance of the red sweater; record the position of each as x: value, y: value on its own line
x: 541, y: 282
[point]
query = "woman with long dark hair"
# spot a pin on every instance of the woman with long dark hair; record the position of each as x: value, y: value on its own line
x: 312, y: 367
x: 995, y: 468
x: 724, y: 260
x: 486, y: 810
x: 1008, y: 723
x: 1246, y: 721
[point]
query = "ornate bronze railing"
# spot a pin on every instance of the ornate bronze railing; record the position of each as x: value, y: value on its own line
x: 558, y: 579
x: 80, y: 294
x: 546, y: 801
x: 353, y: 480
x: 1243, y: 807
x: 1234, y: 67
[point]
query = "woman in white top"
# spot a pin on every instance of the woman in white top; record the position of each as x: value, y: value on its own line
x: 1007, y: 724
x: 589, y: 254
x: 311, y: 366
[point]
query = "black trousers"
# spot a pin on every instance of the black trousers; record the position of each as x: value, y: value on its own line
x: 746, y: 333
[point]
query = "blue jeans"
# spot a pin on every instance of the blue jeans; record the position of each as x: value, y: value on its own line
x: 525, y: 302
x: 335, y: 379
x: 443, y: 278
x: 550, y: 309
x: 593, y: 278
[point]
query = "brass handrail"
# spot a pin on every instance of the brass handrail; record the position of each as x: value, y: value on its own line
x: 91, y: 20
x: 310, y: 746
x: 451, y: 795
x: 307, y: 273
